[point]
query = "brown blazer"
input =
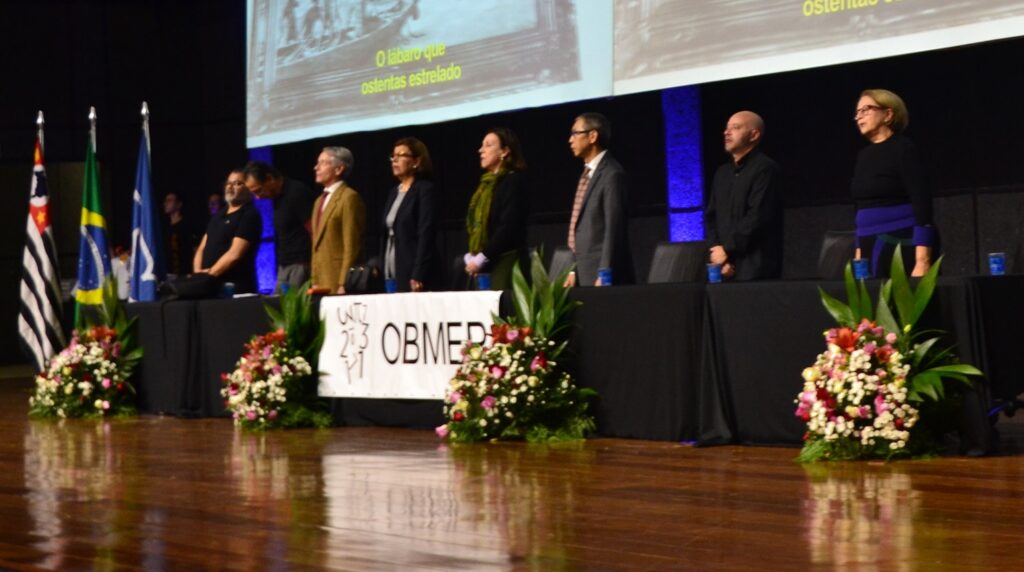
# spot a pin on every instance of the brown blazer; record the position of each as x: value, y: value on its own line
x: 338, y: 239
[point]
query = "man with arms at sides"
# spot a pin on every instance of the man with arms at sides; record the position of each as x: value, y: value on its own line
x: 339, y: 218
x: 293, y: 201
x: 743, y: 217
x: 598, y: 229
x: 228, y: 249
x: 179, y: 239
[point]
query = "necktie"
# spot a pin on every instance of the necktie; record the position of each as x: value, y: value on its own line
x: 577, y: 204
x: 320, y: 211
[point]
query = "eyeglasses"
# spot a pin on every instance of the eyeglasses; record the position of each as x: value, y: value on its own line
x: 580, y: 132
x: 233, y: 183
x: 864, y: 110
x: 398, y: 156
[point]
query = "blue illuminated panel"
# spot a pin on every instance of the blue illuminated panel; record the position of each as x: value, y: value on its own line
x: 266, y: 257
x: 683, y: 163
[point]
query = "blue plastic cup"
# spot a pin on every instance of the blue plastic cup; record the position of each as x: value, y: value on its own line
x: 483, y: 281
x: 861, y: 268
x: 714, y: 273
x: 390, y: 286
x: 227, y: 290
x: 605, y: 276
x: 997, y: 263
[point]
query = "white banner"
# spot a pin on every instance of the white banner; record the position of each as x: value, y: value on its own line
x: 399, y: 345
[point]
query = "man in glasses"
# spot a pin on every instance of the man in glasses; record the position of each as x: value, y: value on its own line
x: 743, y: 217
x: 598, y: 231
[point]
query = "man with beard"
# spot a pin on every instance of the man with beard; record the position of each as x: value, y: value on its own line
x: 743, y: 217
x: 228, y: 249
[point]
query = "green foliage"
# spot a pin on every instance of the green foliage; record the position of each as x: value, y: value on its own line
x: 303, y: 328
x: 545, y: 307
x: 936, y: 378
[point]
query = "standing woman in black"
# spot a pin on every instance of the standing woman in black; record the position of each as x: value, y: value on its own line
x: 890, y: 190
x: 496, y: 221
x: 409, y: 223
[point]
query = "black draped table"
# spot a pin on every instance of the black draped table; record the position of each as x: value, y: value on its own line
x: 672, y: 362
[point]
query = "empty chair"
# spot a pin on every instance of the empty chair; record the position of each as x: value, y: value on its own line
x: 679, y: 262
x: 837, y: 248
x: 560, y: 260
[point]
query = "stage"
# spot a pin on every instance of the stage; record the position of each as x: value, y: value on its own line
x: 165, y: 493
x: 712, y: 364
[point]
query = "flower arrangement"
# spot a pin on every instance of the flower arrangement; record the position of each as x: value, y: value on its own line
x: 880, y: 380
x: 273, y: 384
x: 91, y: 376
x: 515, y: 386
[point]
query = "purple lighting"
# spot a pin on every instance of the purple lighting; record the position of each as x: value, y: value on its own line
x: 684, y: 166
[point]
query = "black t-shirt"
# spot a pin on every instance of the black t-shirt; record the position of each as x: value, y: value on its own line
x: 292, y: 210
x: 245, y: 223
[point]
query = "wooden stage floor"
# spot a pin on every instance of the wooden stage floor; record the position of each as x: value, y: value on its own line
x: 169, y: 494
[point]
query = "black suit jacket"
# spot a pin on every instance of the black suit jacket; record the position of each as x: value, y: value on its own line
x: 602, y: 231
x: 415, y: 235
x: 506, y: 223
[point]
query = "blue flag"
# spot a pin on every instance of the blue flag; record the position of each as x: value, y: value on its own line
x: 147, y: 264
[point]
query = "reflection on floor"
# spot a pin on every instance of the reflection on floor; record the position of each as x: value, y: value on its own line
x: 169, y: 494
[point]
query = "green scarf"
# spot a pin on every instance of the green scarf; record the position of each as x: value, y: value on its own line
x: 480, y: 210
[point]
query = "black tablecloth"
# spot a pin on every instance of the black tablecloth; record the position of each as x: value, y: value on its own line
x: 716, y: 364
x: 640, y: 348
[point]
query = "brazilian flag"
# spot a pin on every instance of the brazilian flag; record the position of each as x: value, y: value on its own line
x: 93, y: 255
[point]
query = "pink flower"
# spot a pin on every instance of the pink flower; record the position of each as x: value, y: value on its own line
x: 869, y: 348
x: 512, y: 335
x: 272, y: 415
x: 890, y: 337
x: 105, y: 383
x: 106, y: 405
x: 497, y: 372
x: 250, y: 415
x: 441, y: 430
x: 880, y: 405
x: 454, y: 397
x: 488, y: 402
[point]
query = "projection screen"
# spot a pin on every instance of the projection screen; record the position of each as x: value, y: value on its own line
x: 325, y: 67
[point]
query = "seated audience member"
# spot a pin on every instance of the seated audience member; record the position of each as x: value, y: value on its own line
x: 228, y: 249
x: 743, y: 217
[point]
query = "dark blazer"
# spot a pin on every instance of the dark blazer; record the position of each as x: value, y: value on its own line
x: 415, y: 235
x: 602, y: 231
x: 506, y: 223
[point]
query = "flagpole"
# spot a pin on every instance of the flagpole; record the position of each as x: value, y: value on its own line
x: 145, y: 128
x: 92, y: 127
x: 40, y: 122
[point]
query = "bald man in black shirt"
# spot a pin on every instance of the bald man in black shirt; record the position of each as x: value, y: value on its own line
x: 743, y: 217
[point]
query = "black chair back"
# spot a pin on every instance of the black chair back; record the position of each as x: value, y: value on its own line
x: 837, y: 248
x: 561, y: 259
x: 679, y: 262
